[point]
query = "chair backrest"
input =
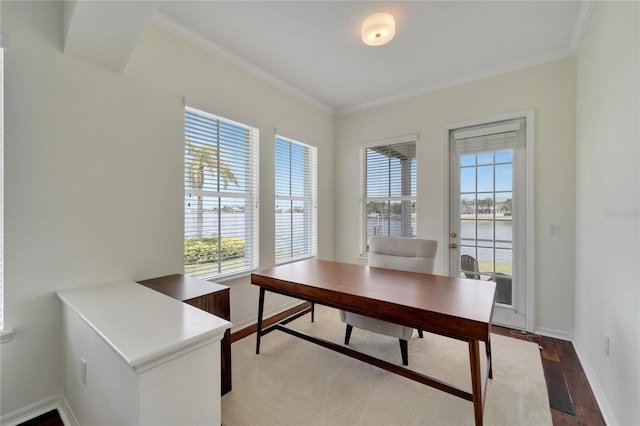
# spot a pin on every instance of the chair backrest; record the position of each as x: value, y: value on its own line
x: 469, y: 266
x: 407, y: 254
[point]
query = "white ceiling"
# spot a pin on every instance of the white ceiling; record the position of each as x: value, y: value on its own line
x: 313, y: 50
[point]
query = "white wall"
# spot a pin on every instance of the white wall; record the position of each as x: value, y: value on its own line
x: 550, y: 90
x: 94, y: 176
x: 608, y: 215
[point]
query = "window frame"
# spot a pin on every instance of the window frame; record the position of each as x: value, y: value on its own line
x: 310, y: 185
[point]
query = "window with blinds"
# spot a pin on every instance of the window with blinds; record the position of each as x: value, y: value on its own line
x: 388, y: 189
x: 221, y: 196
x: 296, y: 209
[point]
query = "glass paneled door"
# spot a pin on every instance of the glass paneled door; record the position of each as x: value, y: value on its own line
x: 487, y: 212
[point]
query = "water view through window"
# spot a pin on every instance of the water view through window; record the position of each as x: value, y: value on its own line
x: 486, y: 219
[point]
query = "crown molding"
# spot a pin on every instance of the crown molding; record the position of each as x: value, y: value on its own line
x: 199, y: 40
x: 458, y: 81
x: 581, y: 24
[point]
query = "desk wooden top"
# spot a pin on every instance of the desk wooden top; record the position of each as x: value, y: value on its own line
x: 456, y: 307
x: 182, y: 287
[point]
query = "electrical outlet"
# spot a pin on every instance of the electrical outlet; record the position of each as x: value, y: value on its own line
x: 606, y: 345
x: 83, y: 371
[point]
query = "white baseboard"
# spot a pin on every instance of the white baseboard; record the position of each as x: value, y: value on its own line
x: 66, y: 414
x: 31, y: 411
x: 596, y: 387
x: 556, y: 334
x: 55, y: 402
x: 254, y: 319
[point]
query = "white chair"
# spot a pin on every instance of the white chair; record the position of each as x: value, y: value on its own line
x: 407, y: 254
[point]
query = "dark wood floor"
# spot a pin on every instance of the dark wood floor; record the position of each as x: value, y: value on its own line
x: 52, y: 418
x: 567, y: 384
x: 570, y: 395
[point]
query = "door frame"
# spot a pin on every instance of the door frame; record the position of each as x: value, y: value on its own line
x: 530, y: 246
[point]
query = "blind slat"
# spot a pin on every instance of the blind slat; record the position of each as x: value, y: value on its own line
x: 486, y: 143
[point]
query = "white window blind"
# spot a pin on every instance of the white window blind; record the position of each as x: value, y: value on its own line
x: 487, y: 138
x: 388, y: 190
x: 296, y: 193
x: 221, y: 196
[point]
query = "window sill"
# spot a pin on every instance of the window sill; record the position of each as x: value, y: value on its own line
x: 294, y: 260
x: 229, y: 279
x: 5, y: 335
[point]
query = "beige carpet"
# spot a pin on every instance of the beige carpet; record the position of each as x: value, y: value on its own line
x: 294, y: 382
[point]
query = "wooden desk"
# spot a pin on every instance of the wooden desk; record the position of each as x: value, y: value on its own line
x: 208, y: 296
x: 458, y: 308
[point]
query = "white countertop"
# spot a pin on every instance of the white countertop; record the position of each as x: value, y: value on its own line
x: 140, y: 324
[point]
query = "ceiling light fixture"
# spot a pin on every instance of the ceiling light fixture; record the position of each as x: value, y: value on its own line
x: 378, y: 29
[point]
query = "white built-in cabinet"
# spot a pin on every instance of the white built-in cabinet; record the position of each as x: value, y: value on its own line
x: 133, y: 356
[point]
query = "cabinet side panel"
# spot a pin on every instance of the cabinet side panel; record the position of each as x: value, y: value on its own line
x: 219, y: 305
x: 107, y: 394
x: 183, y: 391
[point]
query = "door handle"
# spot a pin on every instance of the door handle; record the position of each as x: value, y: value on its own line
x: 453, y: 245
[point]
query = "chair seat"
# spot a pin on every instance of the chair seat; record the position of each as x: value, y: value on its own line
x: 376, y: 325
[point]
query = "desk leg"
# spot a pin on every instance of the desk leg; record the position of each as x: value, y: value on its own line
x: 476, y: 380
x: 488, y: 348
x: 260, y: 312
